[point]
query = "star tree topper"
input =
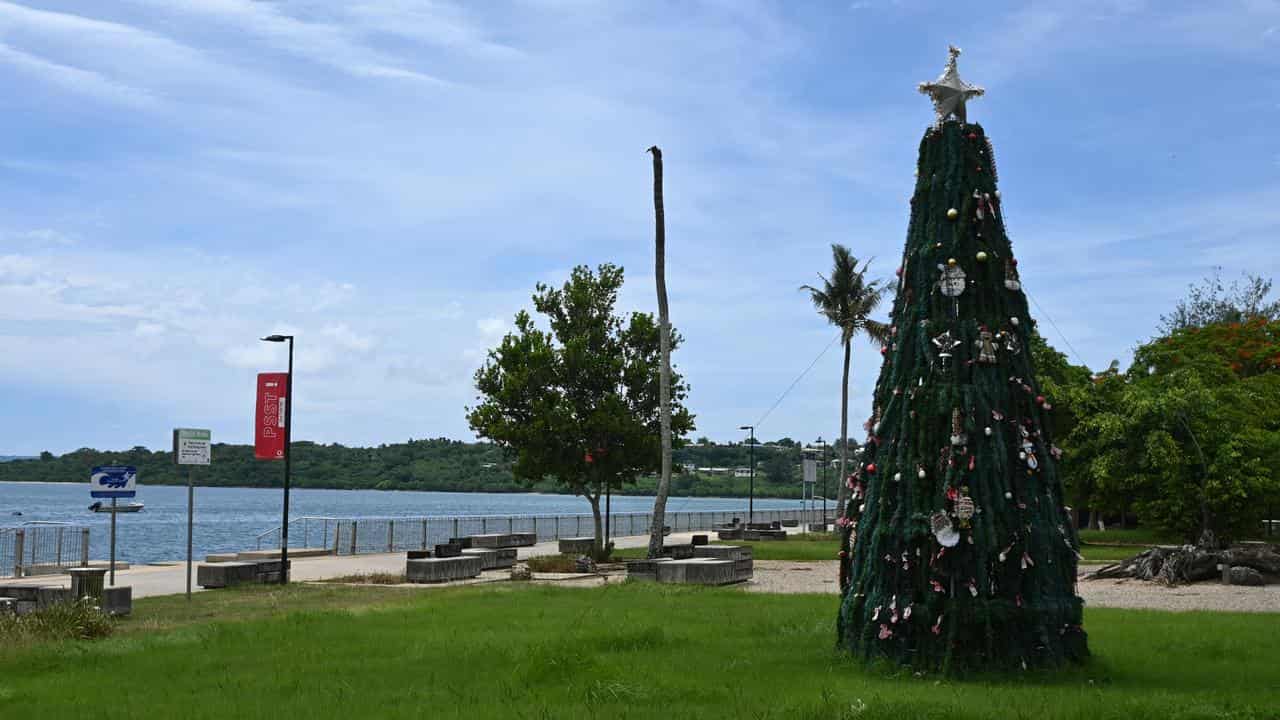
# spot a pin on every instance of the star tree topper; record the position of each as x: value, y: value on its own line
x: 949, y: 92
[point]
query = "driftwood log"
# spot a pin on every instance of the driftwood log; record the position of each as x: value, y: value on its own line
x: 1176, y: 565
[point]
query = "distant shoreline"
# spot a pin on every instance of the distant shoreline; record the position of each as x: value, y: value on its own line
x: 142, y: 487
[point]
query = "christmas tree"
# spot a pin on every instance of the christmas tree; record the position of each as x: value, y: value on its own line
x: 958, y: 553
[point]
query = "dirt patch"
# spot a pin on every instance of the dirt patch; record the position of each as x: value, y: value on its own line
x: 779, y: 576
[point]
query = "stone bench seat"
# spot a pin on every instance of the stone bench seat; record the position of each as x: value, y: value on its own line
x: 227, y: 574
x: 492, y: 558
x: 697, y: 571
x: 437, y: 570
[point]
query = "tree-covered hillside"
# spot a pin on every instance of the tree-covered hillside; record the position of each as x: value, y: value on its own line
x: 438, y: 464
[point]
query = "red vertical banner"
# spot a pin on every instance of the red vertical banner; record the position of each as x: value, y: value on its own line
x: 268, y: 422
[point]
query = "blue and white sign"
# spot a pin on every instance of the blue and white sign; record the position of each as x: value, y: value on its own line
x: 114, y: 481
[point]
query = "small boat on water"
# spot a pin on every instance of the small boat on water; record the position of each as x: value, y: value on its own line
x: 101, y: 507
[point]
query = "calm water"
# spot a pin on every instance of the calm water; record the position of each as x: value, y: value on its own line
x: 229, y: 519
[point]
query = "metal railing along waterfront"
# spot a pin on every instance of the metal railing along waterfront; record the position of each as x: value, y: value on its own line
x: 353, y: 536
x: 38, y: 548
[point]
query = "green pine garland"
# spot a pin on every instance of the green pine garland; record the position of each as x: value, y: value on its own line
x: 1004, y: 595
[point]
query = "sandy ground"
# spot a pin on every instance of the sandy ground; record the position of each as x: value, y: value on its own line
x: 778, y: 576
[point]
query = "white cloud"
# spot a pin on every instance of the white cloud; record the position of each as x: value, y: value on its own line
x: 492, y: 327
x: 148, y: 329
x: 77, y: 80
x: 347, y: 339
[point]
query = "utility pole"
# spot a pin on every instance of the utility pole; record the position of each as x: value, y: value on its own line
x: 751, y: 492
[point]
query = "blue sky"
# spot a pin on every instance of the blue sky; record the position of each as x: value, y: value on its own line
x: 388, y: 179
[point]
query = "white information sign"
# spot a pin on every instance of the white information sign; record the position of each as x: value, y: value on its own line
x: 191, y: 446
x: 810, y: 470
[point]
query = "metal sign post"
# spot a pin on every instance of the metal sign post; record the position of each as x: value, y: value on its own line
x: 115, y: 482
x: 191, y: 447
x: 810, y: 477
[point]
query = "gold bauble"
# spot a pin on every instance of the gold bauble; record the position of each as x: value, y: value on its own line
x: 952, y: 214
x: 981, y: 256
x: 951, y: 262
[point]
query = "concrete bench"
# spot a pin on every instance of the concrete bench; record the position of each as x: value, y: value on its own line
x: 790, y: 523
x: 697, y: 571
x: 576, y: 545
x: 492, y: 558
x: 227, y: 574
x: 117, y: 600
x: 436, y: 570
x: 449, y: 549
x: 679, y: 551
x: 729, y: 534
x: 698, y: 540
x: 462, y: 542
x: 741, y: 556
x: 764, y: 535
x: 417, y: 554
x: 645, y: 569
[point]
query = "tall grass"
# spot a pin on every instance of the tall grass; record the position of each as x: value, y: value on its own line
x: 79, y: 620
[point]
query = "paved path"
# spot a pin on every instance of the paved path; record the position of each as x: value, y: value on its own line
x: 171, y: 579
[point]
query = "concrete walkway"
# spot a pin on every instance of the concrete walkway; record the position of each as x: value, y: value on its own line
x: 149, y: 580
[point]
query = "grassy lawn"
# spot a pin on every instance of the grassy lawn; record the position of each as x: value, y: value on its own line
x: 629, y: 651
x: 1136, y: 536
x: 802, y: 547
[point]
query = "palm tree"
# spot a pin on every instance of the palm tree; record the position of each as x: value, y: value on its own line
x: 664, y: 380
x: 847, y: 299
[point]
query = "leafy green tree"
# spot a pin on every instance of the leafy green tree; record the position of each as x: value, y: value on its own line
x: 779, y: 466
x: 579, y: 402
x: 1191, y: 434
x: 1212, y: 302
x: 847, y: 299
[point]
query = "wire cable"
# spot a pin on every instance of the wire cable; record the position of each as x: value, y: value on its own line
x: 1045, y: 315
x: 795, y: 382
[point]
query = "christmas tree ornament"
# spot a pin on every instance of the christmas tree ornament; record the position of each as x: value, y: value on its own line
x: 949, y: 93
x: 1013, y: 321
x: 921, y: 473
x: 986, y: 346
x: 951, y: 280
x: 945, y: 345
x: 951, y: 262
x: 952, y: 214
x: 987, y: 431
x: 958, y: 436
x: 1011, y: 280
x: 897, y: 477
x: 964, y: 510
x: 943, y: 530
x: 981, y: 256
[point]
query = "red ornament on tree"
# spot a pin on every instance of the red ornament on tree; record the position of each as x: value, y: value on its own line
x: 1039, y: 399
x: 871, y: 467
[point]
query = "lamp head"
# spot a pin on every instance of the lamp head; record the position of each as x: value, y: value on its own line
x: 277, y: 338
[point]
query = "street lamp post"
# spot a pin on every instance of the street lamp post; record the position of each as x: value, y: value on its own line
x: 751, y: 492
x: 288, y: 456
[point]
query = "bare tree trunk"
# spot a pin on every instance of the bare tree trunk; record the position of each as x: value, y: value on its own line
x: 664, y: 381
x: 841, y: 488
x: 594, y: 500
